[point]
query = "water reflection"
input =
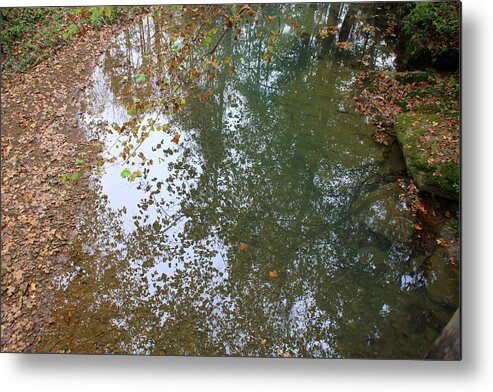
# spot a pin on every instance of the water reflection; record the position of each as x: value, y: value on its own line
x: 274, y: 158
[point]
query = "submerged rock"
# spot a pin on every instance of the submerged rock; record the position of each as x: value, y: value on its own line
x: 442, y: 280
x: 382, y: 213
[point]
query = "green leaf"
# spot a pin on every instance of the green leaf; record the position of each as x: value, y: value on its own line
x: 139, y: 78
x: 206, y: 41
x: 176, y: 47
x: 125, y: 173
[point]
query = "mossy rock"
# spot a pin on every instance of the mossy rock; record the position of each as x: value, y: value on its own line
x: 446, y: 185
x: 412, y: 77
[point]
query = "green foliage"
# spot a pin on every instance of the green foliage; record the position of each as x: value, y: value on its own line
x: 72, y: 30
x: 31, y: 35
x: 65, y: 178
x: 429, y: 35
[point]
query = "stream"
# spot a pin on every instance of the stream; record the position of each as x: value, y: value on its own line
x: 259, y: 220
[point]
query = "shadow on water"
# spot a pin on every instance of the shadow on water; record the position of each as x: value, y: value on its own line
x: 253, y: 221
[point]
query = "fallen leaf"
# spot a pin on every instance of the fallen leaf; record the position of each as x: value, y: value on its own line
x: 273, y: 274
x: 125, y: 173
x: 442, y: 242
x: 176, y: 138
x: 18, y: 276
x: 139, y: 78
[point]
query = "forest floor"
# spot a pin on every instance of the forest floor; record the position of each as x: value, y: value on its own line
x: 46, y: 161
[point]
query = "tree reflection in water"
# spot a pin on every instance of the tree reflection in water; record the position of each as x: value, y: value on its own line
x: 274, y: 157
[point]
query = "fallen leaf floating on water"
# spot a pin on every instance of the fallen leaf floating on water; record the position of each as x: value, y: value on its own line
x: 443, y: 243
x: 243, y: 247
x: 139, y: 78
x: 204, y: 96
x: 125, y: 173
x: 176, y: 138
x: 273, y: 274
x: 67, y: 317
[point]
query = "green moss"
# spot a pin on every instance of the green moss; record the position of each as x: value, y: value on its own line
x: 412, y: 77
x: 408, y: 129
x: 449, y: 180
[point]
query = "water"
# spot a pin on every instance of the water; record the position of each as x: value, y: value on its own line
x: 269, y: 228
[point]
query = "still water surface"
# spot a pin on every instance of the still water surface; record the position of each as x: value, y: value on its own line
x: 270, y: 228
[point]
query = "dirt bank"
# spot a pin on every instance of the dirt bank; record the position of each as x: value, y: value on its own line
x: 46, y: 162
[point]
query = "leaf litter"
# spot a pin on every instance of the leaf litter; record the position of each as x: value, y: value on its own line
x: 45, y: 164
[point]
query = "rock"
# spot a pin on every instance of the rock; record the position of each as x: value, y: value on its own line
x: 408, y: 130
x: 412, y: 77
x: 442, y: 280
x: 447, y: 345
x: 382, y: 213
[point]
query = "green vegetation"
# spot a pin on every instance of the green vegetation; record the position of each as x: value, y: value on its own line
x: 427, y: 34
x: 31, y: 35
